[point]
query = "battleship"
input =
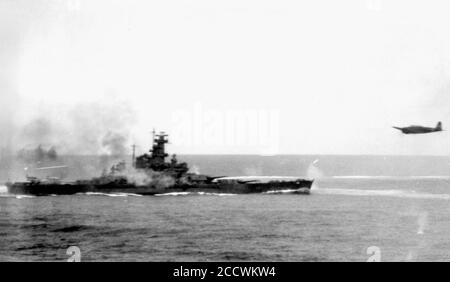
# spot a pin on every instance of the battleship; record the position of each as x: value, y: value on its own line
x: 152, y: 174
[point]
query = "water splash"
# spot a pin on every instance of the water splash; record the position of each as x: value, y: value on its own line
x: 314, y: 171
x: 422, y: 221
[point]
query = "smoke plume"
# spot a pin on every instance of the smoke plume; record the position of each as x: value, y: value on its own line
x: 90, y: 128
x: 114, y: 143
x: 146, y: 177
x: 39, y: 154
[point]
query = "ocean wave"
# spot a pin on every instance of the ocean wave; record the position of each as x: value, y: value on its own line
x: 387, y: 193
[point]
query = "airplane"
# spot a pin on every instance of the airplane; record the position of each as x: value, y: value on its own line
x: 417, y: 129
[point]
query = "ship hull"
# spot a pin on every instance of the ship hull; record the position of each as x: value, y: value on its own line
x: 41, y: 189
x: 24, y: 188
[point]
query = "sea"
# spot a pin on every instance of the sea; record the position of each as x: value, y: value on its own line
x: 361, y: 208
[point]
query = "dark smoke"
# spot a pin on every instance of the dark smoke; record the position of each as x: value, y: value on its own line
x: 115, y: 143
x: 38, y: 154
x: 101, y: 128
x: 38, y: 131
x: 87, y: 138
x: 96, y: 128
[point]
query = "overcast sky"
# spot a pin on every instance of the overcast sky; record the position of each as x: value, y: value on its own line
x: 306, y: 77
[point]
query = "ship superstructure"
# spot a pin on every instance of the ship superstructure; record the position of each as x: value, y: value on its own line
x: 156, y: 160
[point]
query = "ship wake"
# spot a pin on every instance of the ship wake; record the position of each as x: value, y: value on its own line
x: 194, y: 194
x: 391, y: 177
x: 109, y: 194
x: 289, y: 191
x: 381, y: 193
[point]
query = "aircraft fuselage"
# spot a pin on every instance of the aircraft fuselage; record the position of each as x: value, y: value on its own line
x: 416, y: 129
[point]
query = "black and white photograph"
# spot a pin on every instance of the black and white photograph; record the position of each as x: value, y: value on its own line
x: 235, y: 132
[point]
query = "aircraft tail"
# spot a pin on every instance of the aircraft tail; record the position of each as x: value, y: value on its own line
x: 439, y: 126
